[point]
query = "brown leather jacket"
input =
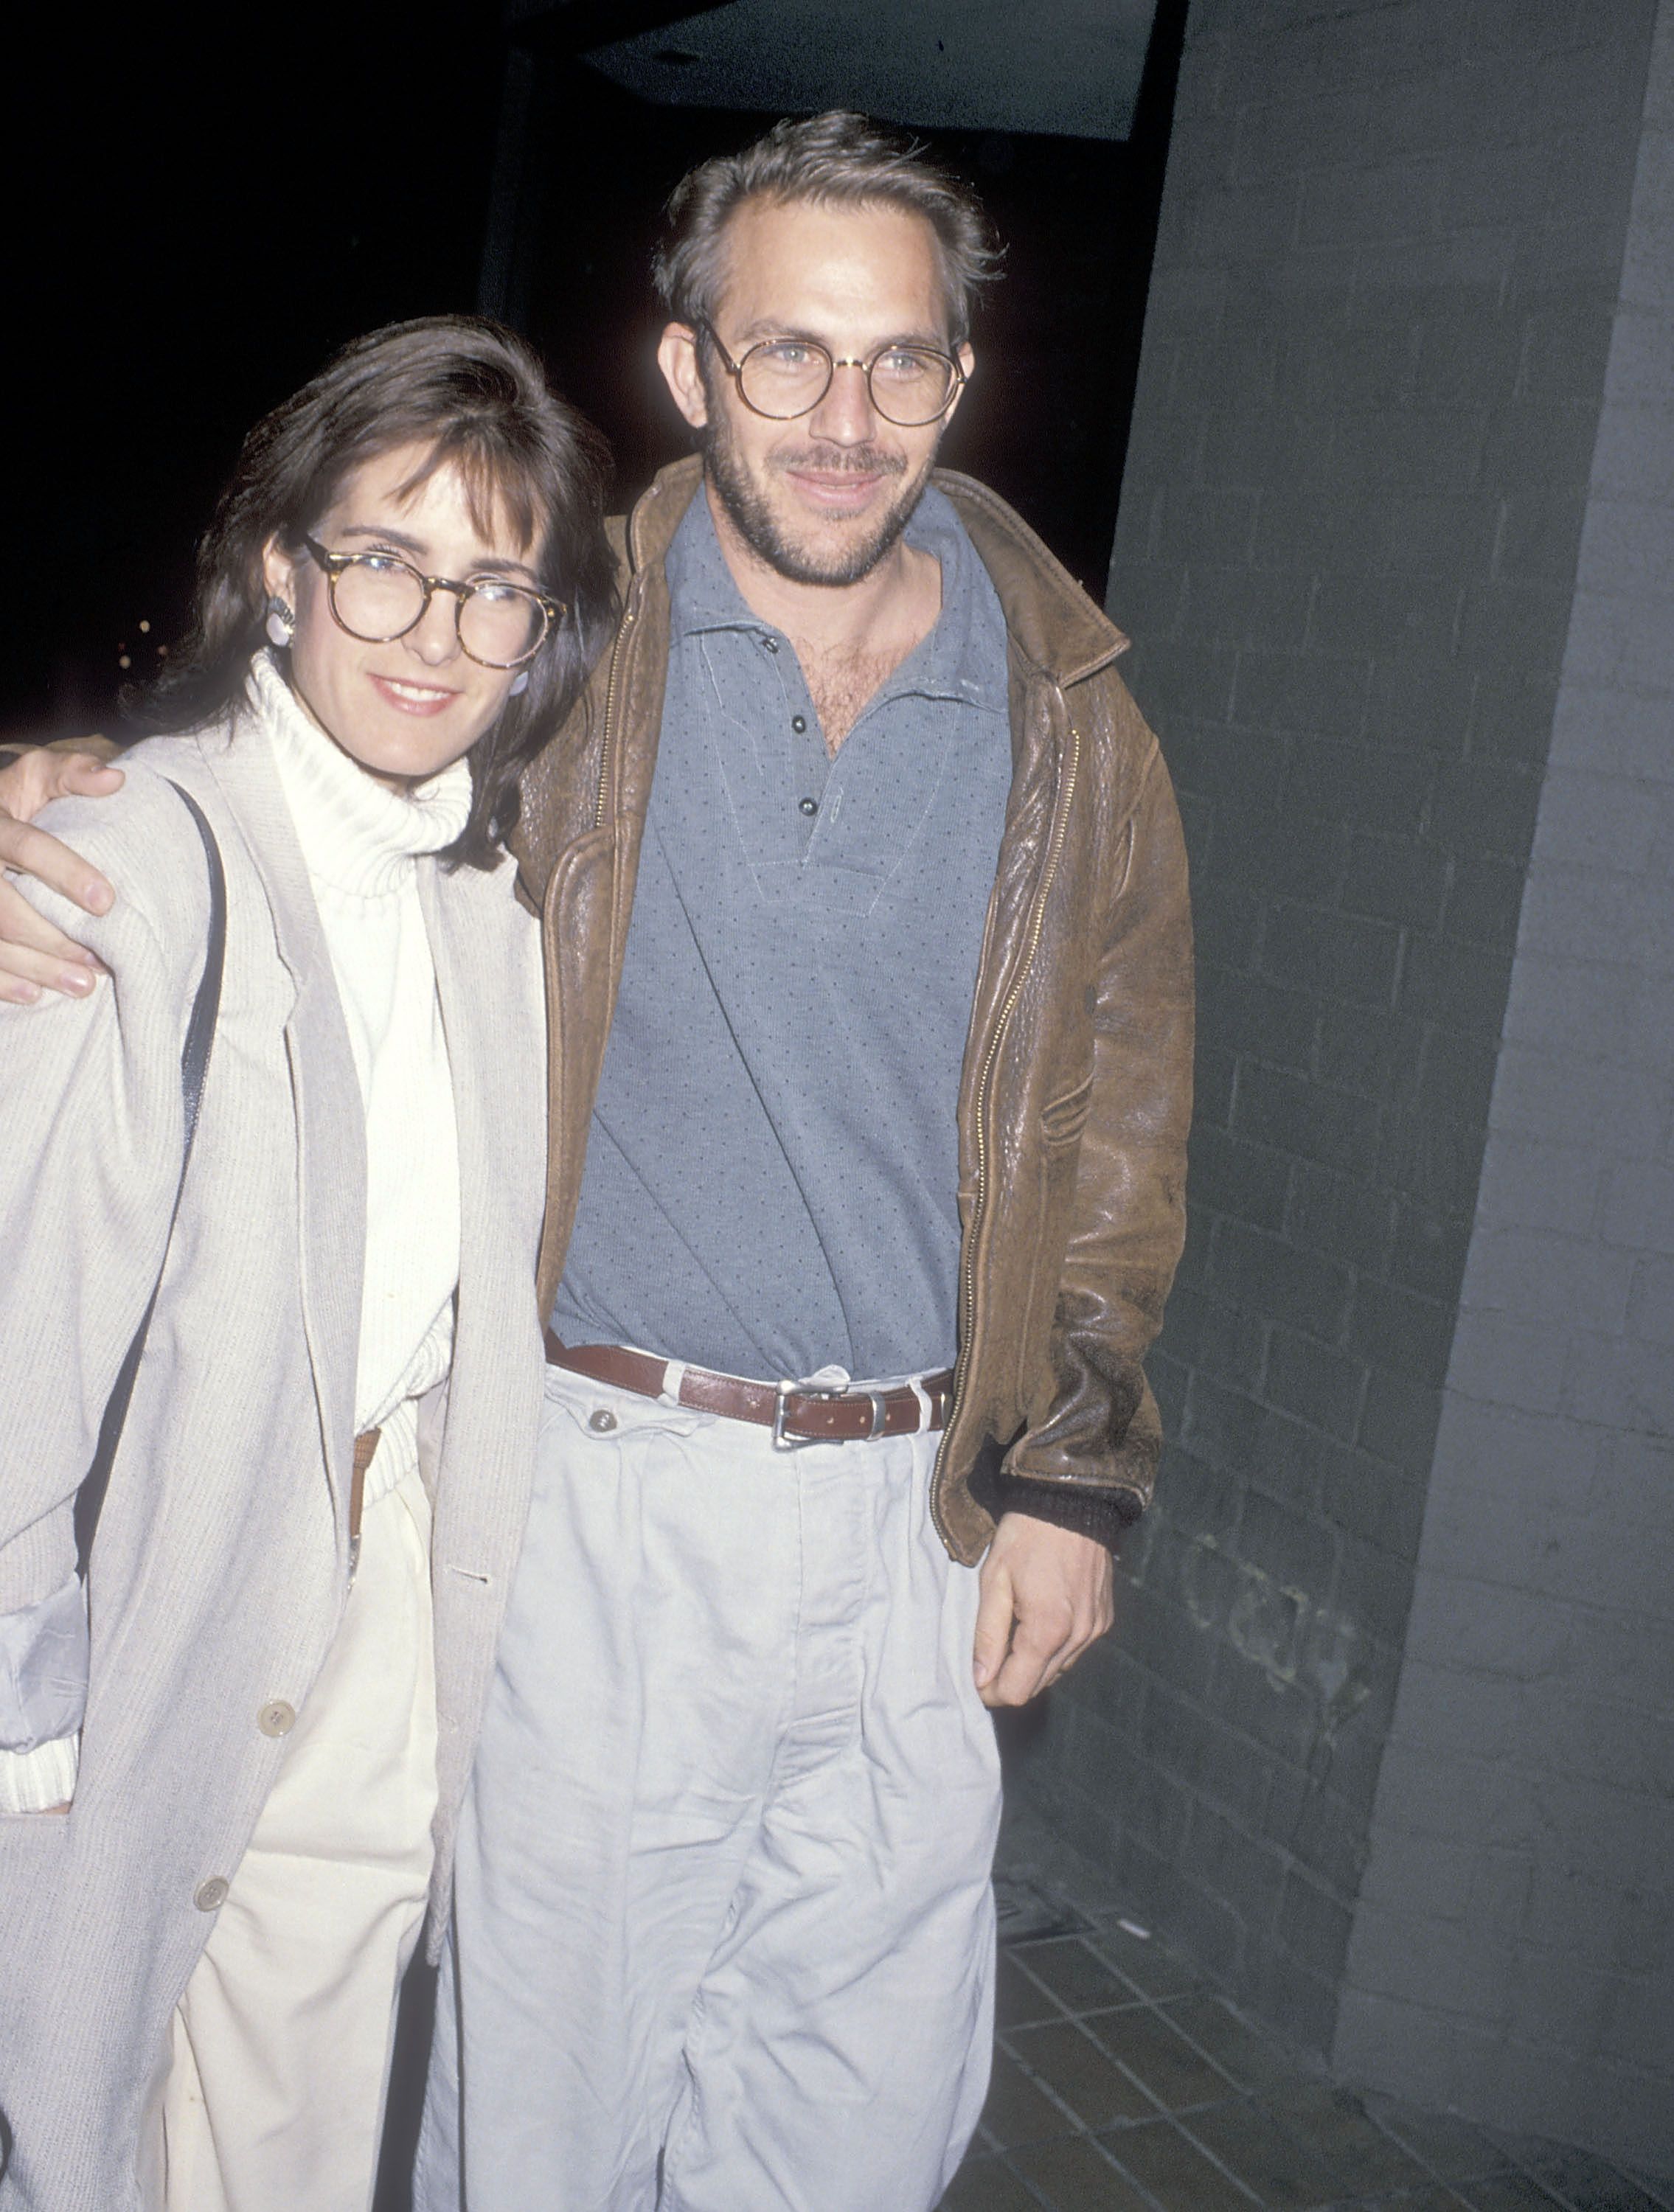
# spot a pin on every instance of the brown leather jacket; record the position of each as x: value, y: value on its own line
x: 1076, y: 1091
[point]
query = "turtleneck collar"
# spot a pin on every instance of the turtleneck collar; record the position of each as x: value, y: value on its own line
x: 356, y: 835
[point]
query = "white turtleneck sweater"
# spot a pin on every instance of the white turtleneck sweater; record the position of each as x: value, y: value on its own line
x: 361, y: 843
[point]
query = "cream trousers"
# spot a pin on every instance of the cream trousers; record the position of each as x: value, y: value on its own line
x: 724, y: 1936
x: 281, y: 2049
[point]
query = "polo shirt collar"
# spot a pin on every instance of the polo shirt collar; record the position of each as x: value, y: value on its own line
x: 704, y: 598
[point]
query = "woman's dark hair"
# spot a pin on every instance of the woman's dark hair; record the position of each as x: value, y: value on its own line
x: 475, y: 398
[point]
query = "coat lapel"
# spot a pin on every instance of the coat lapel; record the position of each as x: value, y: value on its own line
x: 483, y: 947
x: 486, y: 951
x: 331, y: 1118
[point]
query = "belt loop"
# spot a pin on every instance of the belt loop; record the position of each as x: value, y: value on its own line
x: 673, y: 1377
x: 927, y: 1412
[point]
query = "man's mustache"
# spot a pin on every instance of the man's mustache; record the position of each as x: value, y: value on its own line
x: 848, y: 460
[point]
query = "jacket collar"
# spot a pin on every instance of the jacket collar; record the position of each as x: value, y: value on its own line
x: 1049, y: 616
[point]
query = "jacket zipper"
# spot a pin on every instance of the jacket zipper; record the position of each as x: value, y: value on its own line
x: 968, y: 1269
x: 616, y: 651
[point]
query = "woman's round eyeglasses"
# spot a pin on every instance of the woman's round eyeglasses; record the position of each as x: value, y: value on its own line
x: 783, y: 377
x: 379, y: 597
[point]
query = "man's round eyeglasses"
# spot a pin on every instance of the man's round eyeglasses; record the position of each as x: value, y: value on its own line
x: 783, y: 377
x: 379, y: 597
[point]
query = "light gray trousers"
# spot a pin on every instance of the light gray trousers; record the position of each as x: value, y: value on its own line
x: 724, y: 1936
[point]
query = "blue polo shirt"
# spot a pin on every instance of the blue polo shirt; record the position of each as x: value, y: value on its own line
x: 771, y: 1175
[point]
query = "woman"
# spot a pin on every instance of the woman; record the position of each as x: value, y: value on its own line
x: 211, y: 1878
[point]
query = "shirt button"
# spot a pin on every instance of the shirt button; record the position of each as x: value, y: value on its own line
x: 807, y: 806
x: 799, y: 723
x: 276, y: 1719
x: 601, y: 1420
x: 770, y: 645
x: 209, y: 1896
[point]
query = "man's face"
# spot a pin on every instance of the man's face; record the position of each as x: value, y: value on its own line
x: 824, y: 498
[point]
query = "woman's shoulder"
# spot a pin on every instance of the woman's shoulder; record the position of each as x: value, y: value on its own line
x: 145, y: 840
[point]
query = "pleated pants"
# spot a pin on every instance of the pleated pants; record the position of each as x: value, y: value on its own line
x: 281, y: 2043
x: 724, y: 1932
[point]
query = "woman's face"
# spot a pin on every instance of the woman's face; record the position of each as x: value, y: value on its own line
x: 407, y: 709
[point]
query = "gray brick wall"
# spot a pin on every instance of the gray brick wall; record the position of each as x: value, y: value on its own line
x: 1391, y: 240
x: 1513, y: 1951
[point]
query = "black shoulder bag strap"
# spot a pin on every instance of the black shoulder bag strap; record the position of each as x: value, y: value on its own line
x: 194, y: 1061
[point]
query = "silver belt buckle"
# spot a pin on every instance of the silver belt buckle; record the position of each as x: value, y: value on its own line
x: 783, y: 1395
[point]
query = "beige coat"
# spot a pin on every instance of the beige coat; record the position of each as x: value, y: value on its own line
x: 221, y: 1567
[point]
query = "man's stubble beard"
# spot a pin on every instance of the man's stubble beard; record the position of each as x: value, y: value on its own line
x: 748, y: 509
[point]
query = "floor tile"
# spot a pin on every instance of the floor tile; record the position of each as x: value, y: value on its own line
x: 1145, y: 2042
x: 1438, y: 2198
x: 984, y: 2185
x: 1114, y: 2025
x: 1074, y: 1974
x: 1590, y: 2185
x: 1025, y: 1910
x: 1175, y: 2171
x: 1453, y: 2150
x: 1507, y: 2192
x: 1147, y: 1964
x: 1072, y: 2178
x: 1017, y: 2000
x: 1255, y: 2061
x: 1332, y: 2125
x: 1016, y: 2111
x: 1082, y: 2074
x: 1283, y: 2173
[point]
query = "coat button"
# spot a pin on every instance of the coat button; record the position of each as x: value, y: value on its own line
x: 276, y: 1719
x: 601, y: 1420
x: 209, y: 1896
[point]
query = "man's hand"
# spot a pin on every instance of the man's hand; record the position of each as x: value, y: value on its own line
x: 1047, y: 1593
x: 33, y: 954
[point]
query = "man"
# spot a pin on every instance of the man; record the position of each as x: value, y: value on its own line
x: 869, y: 998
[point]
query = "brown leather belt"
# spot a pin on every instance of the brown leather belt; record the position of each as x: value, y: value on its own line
x: 798, y: 1415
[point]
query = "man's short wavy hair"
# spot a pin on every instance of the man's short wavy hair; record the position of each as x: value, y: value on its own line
x: 834, y: 159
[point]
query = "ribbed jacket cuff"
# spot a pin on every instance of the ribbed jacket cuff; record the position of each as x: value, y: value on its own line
x: 34, y: 1781
x: 1105, y: 1515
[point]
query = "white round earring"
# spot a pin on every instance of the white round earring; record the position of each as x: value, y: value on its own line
x: 281, y: 622
x: 519, y: 682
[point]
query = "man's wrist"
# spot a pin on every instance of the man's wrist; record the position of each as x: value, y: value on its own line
x: 1105, y: 1516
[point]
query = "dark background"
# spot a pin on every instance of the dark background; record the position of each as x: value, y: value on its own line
x: 199, y: 214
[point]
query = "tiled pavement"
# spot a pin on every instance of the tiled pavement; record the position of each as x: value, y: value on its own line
x: 1122, y: 2084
